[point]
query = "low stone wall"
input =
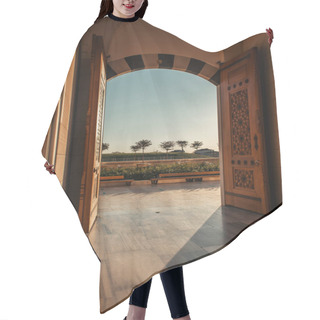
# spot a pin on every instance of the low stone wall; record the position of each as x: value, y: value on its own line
x: 134, y: 183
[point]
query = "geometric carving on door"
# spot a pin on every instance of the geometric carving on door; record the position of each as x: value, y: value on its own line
x: 240, y: 123
x: 99, y: 120
x: 100, y: 111
x: 243, y: 178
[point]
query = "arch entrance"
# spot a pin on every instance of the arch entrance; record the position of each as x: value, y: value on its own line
x: 243, y: 178
x: 249, y: 155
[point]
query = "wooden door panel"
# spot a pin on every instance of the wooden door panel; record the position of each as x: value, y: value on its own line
x: 243, y: 135
x: 88, y: 206
x: 98, y: 146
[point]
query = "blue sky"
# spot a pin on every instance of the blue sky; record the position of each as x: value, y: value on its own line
x: 160, y: 105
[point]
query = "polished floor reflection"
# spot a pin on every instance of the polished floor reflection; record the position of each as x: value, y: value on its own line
x: 144, y: 228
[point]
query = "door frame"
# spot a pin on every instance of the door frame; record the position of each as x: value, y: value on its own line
x: 75, y: 181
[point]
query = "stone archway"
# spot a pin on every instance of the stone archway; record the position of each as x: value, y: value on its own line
x: 244, y: 180
x: 162, y: 61
x: 250, y: 162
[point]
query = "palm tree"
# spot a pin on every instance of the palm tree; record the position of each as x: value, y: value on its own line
x: 167, y: 145
x: 142, y: 144
x: 196, y: 145
x: 105, y: 146
x: 182, y: 144
x: 135, y: 148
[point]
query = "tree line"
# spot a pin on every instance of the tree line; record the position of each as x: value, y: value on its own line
x: 166, y: 145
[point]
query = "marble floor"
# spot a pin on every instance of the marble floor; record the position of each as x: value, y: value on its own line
x: 144, y: 229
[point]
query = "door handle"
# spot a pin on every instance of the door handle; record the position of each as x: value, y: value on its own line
x: 255, y: 138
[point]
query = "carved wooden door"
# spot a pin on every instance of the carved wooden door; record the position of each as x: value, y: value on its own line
x: 243, y: 146
x: 93, y: 147
x: 98, y: 146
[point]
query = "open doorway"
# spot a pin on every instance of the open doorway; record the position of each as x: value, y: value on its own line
x: 160, y: 160
x: 167, y: 194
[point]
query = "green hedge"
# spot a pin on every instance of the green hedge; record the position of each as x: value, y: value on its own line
x: 150, y: 156
x: 149, y: 172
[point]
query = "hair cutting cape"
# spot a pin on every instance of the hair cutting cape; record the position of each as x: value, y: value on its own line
x: 167, y: 152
